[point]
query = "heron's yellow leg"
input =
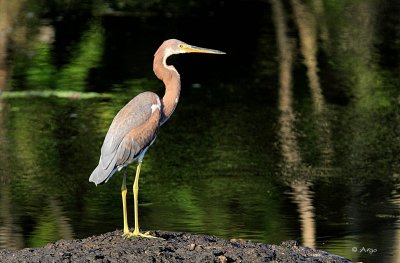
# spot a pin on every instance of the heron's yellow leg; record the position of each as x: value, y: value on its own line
x: 125, y: 213
x: 135, y: 199
x: 136, y: 232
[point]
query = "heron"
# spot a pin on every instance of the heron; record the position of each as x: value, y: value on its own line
x: 135, y: 127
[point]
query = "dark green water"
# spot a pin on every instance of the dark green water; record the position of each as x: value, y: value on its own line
x: 240, y: 158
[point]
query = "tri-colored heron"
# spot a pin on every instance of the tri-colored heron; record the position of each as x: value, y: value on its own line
x: 135, y: 127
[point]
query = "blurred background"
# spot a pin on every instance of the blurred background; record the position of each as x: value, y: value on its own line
x: 294, y: 134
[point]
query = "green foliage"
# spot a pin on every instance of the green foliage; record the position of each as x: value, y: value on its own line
x: 87, y: 55
x: 354, y: 35
x: 41, y: 73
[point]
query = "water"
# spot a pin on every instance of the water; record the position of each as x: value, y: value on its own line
x: 292, y: 135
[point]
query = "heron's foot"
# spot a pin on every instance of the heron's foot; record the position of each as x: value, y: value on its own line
x: 137, y: 234
x: 127, y: 234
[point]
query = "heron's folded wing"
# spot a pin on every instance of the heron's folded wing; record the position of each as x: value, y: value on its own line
x: 125, y: 138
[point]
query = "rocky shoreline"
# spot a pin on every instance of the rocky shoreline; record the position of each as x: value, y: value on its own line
x: 169, y: 247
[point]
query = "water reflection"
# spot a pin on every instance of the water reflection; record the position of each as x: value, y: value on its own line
x: 10, y: 230
x: 305, y: 21
x: 396, y: 201
x: 290, y: 149
x: 292, y: 163
x: 52, y: 225
x: 303, y: 196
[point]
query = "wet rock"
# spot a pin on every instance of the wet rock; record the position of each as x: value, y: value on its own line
x: 169, y: 247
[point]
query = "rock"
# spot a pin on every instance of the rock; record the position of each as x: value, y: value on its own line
x: 192, y: 247
x: 169, y: 247
x: 222, y: 259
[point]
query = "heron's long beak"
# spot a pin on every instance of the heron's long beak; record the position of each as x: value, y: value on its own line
x: 194, y: 49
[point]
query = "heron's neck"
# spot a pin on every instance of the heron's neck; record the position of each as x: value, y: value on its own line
x: 171, y: 79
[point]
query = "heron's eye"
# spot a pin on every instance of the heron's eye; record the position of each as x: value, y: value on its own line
x: 180, y: 45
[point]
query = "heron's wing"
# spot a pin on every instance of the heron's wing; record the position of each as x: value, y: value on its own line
x: 128, y: 129
x: 137, y: 140
x: 132, y: 130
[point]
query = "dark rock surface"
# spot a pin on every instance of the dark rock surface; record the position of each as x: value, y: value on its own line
x: 170, y: 247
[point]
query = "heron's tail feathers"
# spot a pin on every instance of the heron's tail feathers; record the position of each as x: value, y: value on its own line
x: 101, y: 175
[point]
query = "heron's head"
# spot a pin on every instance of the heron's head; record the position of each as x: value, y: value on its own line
x: 175, y: 46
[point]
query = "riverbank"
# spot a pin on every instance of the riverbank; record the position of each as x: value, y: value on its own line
x: 169, y: 247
